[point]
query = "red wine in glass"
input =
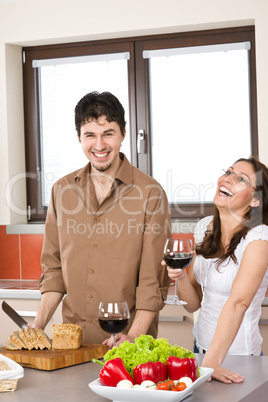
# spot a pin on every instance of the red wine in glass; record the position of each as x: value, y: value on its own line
x: 178, y: 253
x: 113, y: 317
x: 178, y: 260
x: 113, y: 325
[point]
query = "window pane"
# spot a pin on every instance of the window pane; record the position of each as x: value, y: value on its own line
x: 61, y: 87
x: 200, y: 120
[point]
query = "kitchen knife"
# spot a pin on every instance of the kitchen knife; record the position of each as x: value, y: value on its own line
x: 14, y: 315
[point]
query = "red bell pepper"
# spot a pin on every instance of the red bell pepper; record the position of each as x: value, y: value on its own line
x: 113, y: 372
x: 154, y: 371
x: 178, y: 368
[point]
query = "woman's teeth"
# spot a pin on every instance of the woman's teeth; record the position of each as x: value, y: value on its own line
x: 226, y: 191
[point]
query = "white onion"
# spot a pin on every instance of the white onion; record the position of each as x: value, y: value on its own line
x: 124, y: 384
x: 148, y: 384
x: 187, y: 381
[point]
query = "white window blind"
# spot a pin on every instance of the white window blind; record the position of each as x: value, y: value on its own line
x: 81, y: 59
x: 225, y: 47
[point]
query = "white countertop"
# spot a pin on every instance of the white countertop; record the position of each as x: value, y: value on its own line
x: 19, y: 289
x: 71, y: 383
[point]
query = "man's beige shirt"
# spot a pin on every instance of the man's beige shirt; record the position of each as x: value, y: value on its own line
x: 107, y: 252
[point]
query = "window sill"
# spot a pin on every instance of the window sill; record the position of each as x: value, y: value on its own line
x: 25, y: 228
x: 178, y: 226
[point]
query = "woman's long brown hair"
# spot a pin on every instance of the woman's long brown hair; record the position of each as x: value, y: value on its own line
x: 211, y: 246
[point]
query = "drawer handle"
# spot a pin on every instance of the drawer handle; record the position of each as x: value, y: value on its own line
x: 180, y: 318
x: 27, y: 313
x: 263, y: 321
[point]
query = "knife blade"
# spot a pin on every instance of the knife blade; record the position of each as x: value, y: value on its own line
x: 14, y: 315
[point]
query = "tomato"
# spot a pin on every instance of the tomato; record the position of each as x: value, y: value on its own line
x: 163, y: 386
x: 181, y: 386
x: 166, y: 385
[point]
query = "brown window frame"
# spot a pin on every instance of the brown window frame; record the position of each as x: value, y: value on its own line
x: 138, y: 99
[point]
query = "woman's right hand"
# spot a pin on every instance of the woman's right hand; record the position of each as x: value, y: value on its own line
x: 222, y: 374
x: 174, y: 273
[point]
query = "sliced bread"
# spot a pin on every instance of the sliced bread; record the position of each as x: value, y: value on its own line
x: 33, y: 338
x: 16, y: 341
x: 24, y: 336
x: 36, y: 341
x: 10, y: 346
x: 16, y: 334
x: 43, y: 337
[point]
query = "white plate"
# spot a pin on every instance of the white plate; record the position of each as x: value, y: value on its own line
x: 141, y: 395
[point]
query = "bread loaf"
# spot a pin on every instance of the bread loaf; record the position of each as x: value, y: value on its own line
x: 66, y: 336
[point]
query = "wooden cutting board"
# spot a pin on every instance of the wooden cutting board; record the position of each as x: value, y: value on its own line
x: 55, y: 359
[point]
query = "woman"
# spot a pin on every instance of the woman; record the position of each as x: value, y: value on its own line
x: 228, y: 277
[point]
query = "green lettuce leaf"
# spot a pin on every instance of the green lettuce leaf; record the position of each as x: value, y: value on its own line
x: 146, y: 349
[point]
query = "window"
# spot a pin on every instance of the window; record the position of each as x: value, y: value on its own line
x: 62, y: 82
x: 199, y: 105
x: 190, y: 102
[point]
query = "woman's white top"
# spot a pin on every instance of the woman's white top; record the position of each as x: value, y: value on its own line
x: 216, y: 286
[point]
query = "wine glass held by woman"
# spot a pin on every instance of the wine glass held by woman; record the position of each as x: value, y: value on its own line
x: 178, y: 253
x: 229, y: 273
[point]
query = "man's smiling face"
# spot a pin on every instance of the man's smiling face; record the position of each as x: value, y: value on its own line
x: 101, y: 142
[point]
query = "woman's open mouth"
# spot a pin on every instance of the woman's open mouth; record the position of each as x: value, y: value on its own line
x: 226, y: 192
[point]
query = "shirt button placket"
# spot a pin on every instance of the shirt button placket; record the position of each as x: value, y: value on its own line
x: 91, y: 270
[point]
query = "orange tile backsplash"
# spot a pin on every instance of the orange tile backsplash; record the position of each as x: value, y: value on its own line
x: 185, y: 235
x: 9, y: 255
x: 31, y: 247
x: 20, y: 255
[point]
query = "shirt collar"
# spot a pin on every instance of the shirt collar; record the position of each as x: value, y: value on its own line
x: 123, y: 174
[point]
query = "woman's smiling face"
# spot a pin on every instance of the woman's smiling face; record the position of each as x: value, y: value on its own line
x: 236, y: 189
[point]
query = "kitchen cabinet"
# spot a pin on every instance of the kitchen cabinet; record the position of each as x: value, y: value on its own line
x: 27, y: 308
x: 263, y: 324
x: 176, y: 325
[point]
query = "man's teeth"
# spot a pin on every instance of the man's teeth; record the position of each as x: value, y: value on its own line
x: 226, y: 191
x: 101, y: 155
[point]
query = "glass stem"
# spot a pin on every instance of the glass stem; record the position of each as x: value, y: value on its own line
x: 176, y: 289
x: 114, y: 339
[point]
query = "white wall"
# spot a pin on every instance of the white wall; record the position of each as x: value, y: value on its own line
x: 34, y: 22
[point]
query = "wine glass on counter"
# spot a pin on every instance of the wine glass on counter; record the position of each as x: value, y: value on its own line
x: 178, y: 253
x: 113, y: 317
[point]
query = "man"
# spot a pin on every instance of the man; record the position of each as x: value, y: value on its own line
x: 105, y: 232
